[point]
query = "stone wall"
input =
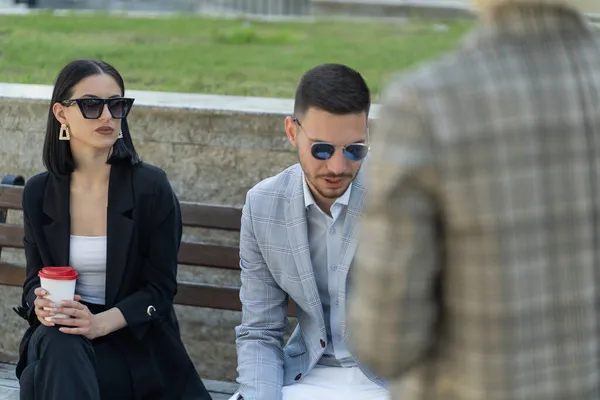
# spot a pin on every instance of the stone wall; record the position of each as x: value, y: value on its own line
x: 210, y: 155
x: 213, y: 148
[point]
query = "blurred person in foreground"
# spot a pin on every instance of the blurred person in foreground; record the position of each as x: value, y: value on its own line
x: 478, y: 273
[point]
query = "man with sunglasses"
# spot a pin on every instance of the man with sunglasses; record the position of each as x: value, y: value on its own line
x: 297, y: 243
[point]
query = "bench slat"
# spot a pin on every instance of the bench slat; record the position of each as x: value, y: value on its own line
x: 217, y: 297
x: 193, y: 214
x: 188, y: 293
x: 10, y: 197
x: 11, y: 275
x: 210, y: 296
x: 11, y: 236
x: 195, y: 254
x: 209, y: 255
x: 211, y: 216
x: 191, y: 294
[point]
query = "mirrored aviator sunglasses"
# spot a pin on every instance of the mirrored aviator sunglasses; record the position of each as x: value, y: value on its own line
x: 353, y: 152
x: 92, y: 108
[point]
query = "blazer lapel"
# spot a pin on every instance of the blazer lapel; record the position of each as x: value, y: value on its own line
x: 120, y: 226
x: 297, y: 232
x: 353, y: 215
x: 57, y: 200
x: 350, y: 239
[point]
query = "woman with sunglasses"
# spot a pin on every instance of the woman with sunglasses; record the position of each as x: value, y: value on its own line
x: 117, y: 222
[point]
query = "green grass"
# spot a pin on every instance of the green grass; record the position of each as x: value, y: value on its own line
x: 207, y: 55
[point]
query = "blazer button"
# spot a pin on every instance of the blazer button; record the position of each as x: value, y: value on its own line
x: 298, y: 377
x: 150, y: 310
x: 322, y: 343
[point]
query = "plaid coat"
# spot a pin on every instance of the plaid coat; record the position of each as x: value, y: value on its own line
x: 477, y: 273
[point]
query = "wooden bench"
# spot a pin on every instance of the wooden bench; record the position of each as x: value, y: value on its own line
x: 192, y: 254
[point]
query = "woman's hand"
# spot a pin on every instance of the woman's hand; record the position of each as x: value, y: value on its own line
x: 82, y: 321
x: 39, y: 304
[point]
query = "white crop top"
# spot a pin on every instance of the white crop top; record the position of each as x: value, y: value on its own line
x: 88, y: 258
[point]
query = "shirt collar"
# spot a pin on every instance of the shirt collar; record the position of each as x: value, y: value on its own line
x: 309, y: 199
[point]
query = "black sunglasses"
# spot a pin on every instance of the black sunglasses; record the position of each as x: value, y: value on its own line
x: 325, y: 150
x: 92, y: 107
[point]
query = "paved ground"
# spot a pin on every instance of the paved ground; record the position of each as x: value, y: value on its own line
x: 9, y: 387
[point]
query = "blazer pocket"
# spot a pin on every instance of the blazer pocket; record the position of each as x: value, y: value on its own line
x: 295, y: 349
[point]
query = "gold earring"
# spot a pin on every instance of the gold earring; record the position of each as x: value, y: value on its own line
x: 65, y: 133
x: 120, y: 135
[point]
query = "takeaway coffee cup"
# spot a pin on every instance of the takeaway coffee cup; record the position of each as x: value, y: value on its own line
x: 59, y: 282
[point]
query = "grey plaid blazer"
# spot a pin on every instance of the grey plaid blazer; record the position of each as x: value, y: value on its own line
x: 478, y: 270
x: 276, y: 265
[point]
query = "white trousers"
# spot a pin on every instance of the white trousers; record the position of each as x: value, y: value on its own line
x: 333, y: 383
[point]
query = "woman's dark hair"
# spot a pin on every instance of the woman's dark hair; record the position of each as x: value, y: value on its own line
x: 57, y: 157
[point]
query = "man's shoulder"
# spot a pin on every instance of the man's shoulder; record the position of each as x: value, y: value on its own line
x: 277, y: 185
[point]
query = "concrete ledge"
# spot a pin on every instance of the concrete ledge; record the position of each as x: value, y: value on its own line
x: 405, y: 9
x: 185, y: 101
x: 392, y: 9
x: 348, y: 10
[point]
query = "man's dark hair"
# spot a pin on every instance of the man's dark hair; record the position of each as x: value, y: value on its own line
x: 334, y: 88
x: 57, y: 153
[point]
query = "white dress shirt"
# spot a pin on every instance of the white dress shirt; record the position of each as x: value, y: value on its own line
x: 325, y: 243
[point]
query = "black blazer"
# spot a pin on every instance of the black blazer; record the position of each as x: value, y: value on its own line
x: 144, y: 231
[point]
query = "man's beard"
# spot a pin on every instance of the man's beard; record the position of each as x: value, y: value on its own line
x: 329, y: 195
x: 313, y: 180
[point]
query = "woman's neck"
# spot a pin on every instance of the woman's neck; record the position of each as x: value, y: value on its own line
x: 91, y: 168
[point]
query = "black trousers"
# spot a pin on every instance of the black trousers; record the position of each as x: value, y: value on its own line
x: 70, y: 367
